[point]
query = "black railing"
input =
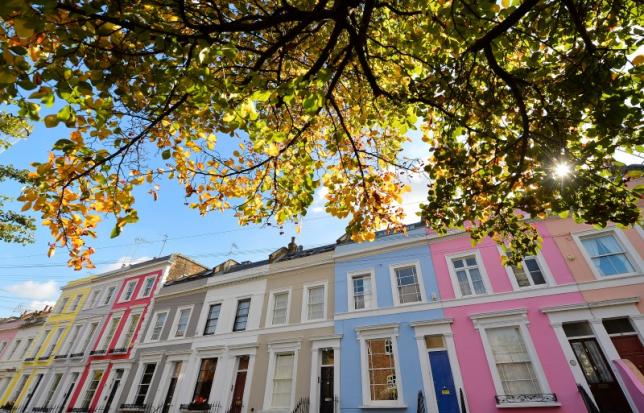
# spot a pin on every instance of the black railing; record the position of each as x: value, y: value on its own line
x: 302, y: 406
x: 525, y: 398
x: 118, y: 350
x: 420, y: 402
x: 30, y: 359
x: 41, y: 358
x: 41, y: 409
x: 588, y: 401
x: 462, y: 398
x: 60, y: 356
x: 97, y: 352
x: 74, y: 355
x: 200, y: 407
x: 134, y: 407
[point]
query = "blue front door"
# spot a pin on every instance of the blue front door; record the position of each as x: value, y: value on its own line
x: 443, y: 382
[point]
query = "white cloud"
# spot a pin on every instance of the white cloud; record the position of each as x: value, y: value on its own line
x: 122, y: 262
x: 38, y: 305
x: 34, y: 290
x: 320, y: 200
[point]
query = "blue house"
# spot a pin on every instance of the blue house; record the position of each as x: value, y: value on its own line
x: 395, y: 343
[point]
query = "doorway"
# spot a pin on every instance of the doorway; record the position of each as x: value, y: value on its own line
x: 116, y: 381
x: 600, y: 378
x: 72, y: 383
x: 327, y: 380
x: 240, y: 384
x: 176, y: 372
x: 626, y: 340
x: 439, y: 364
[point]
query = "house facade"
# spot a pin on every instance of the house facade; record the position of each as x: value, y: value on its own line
x: 386, y: 301
x: 113, y: 347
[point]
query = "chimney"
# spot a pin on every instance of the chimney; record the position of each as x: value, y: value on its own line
x: 292, y: 246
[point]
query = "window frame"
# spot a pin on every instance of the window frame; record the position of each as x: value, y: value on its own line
x: 155, y: 317
x: 271, y: 306
x: 350, y: 290
x: 141, y: 293
x: 204, y: 324
x: 365, y: 334
x: 305, y: 302
x: 543, y: 266
x: 629, y: 252
x: 273, y: 351
x: 480, y: 265
x: 109, y: 296
x: 75, y: 304
x: 512, y: 318
x: 102, y: 344
x: 175, y: 322
x: 126, y: 327
x: 394, y: 282
x: 122, y: 298
x: 139, y: 381
x: 234, y: 318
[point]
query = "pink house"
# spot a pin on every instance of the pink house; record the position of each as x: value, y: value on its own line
x: 509, y: 354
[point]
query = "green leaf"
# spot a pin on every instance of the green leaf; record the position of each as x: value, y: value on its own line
x: 166, y: 154
x: 116, y: 231
x: 51, y: 121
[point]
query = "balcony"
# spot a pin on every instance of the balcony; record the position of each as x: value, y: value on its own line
x: 30, y: 359
x: 133, y: 407
x: 195, y: 407
x: 76, y: 355
x: 60, y: 356
x: 97, y: 352
x: 118, y: 350
x: 41, y: 409
x: 43, y: 358
x: 526, y: 400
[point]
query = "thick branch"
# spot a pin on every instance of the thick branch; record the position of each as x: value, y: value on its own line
x: 504, y: 26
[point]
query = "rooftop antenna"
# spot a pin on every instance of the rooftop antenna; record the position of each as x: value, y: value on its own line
x: 165, y: 239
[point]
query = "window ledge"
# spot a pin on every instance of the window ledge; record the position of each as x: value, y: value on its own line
x: 527, y: 405
x: 384, y: 406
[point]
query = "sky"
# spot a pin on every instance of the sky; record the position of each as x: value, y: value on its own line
x: 31, y: 280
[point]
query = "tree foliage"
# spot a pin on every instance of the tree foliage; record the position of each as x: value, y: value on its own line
x: 253, y: 105
x: 14, y: 226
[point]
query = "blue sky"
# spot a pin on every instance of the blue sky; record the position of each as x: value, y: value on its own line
x: 29, y: 279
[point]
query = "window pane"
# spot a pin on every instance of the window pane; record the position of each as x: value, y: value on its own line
x: 520, y: 275
x: 618, y: 325
x: 607, y: 254
x: 316, y: 303
x: 280, y: 304
x: 144, y: 385
x: 243, y: 307
x: 535, y: 271
x: 408, y: 288
x: 382, y: 370
x: 158, y: 326
x: 213, y: 317
x: 204, y: 380
x: 512, y: 361
x: 477, y: 281
x: 362, y: 291
x: 463, y: 283
x: 182, y: 325
x: 435, y: 341
x: 282, y: 381
x: 577, y: 329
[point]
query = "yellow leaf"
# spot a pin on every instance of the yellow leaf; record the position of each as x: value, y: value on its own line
x: 639, y: 59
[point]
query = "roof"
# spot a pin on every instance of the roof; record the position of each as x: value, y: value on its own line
x: 345, y: 239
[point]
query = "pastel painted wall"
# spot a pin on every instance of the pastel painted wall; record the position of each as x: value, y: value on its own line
x: 380, y: 265
x: 392, y: 253
x: 7, y: 335
x: 477, y: 377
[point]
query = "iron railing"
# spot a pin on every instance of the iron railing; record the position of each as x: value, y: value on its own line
x: 525, y: 398
x: 133, y: 407
x: 117, y: 350
x: 74, y: 355
x: 215, y: 407
x: 97, y: 352
x: 302, y: 406
x: 420, y: 402
x: 60, y: 356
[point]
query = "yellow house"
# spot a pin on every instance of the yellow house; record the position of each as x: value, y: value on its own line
x: 42, y: 351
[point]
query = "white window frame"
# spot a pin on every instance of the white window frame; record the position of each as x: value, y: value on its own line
x: 86, y: 337
x: 92, y: 300
x: 149, y: 338
x: 103, y: 301
x: 512, y: 318
x: 543, y: 266
x: 273, y: 351
x: 271, y: 306
x: 122, y: 298
x: 175, y: 322
x: 203, y: 319
x: 631, y: 254
x: 102, y: 345
x: 305, y: 301
x: 139, y: 374
x: 128, y: 323
x: 237, y: 300
x: 374, y: 292
x: 166, y: 375
x: 75, y: 304
x: 317, y: 345
x: 71, y: 339
x: 481, y: 266
x: 394, y: 282
x: 390, y: 332
x: 142, y: 290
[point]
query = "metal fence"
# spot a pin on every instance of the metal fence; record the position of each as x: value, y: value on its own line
x: 124, y: 408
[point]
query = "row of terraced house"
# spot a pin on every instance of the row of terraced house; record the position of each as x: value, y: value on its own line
x: 408, y: 323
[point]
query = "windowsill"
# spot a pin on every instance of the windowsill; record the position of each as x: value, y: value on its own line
x: 617, y: 276
x: 383, y: 406
x: 527, y: 405
x: 410, y: 304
